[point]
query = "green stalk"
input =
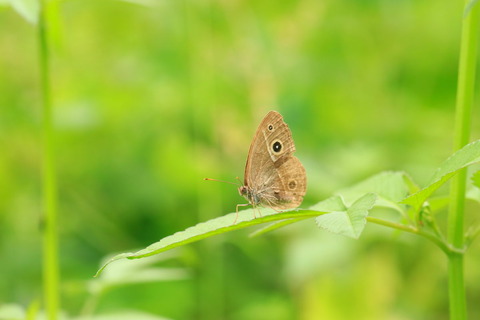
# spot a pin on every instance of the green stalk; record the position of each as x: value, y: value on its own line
x: 465, y: 93
x: 411, y: 229
x: 50, y: 241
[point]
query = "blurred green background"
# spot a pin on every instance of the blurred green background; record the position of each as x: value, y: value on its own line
x: 151, y: 97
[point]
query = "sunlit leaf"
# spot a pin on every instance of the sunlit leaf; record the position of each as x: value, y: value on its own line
x: 275, y: 225
x: 213, y: 227
x: 147, y: 3
x: 469, y: 7
x: 28, y: 9
x: 123, y: 315
x: 464, y: 157
x: 473, y: 194
x: 331, y: 204
x: 351, y: 221
x: 390, y: 187
x: 33, y: 310
x: 476, y: 179
x: 138, y: 271
x: 12, y: 311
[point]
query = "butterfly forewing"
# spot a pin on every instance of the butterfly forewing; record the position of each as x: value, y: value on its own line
x: 271, y: 130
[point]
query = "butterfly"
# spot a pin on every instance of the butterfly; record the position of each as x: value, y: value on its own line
x: 274, y: 177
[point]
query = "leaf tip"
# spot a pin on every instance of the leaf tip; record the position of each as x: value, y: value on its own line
x: 115, y: 258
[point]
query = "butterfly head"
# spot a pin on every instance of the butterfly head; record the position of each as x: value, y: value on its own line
x: 249, y: 194
x: 243, y: 190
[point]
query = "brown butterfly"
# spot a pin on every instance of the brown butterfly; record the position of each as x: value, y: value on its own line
x: 274, y: 177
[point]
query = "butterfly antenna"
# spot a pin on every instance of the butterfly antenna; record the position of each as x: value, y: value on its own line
x: 220, y: 181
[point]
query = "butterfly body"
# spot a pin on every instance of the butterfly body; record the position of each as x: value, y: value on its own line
x: 256, y: 197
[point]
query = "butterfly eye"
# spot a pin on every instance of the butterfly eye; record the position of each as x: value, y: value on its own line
x: 277, y: 146
x: 270, y: 127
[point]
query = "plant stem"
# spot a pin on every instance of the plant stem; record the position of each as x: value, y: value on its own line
x: 435, y: 239
x: 50, y: 241
x: 465, y: 90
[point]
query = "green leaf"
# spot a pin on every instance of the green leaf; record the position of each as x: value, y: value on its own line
x: 438, y: 203
x: 469, y: 7
x: 411, y: 185
x: 148, y: 3
x: 331, y: 204
x: 390, y: 188
x: 349, y: 222
x: 274, y: 226
x: 123, y: 315
x: 464, y: 157
x: 476, y: 179
x: 12, y: 311
x: 28, y: 9
x: 33, y: 310
x: 139, y: 271
x: 212, y: 227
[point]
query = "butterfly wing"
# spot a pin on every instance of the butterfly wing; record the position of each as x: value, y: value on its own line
x: 273, y: 175
x: 260, y: 156
x: 288, y: 186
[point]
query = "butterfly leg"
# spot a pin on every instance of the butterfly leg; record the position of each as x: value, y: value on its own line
x: 259, y: 212
x: 270, y: 204
x: 236, y: 215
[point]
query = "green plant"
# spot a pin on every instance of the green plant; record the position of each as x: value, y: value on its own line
x: 349, y: 210
x: 456, y: 236
x: 121, y: 275
x: 51, y: 273
x: 345, y: 213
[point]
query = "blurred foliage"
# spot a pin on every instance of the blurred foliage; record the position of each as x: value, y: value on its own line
x: 152, y: 96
